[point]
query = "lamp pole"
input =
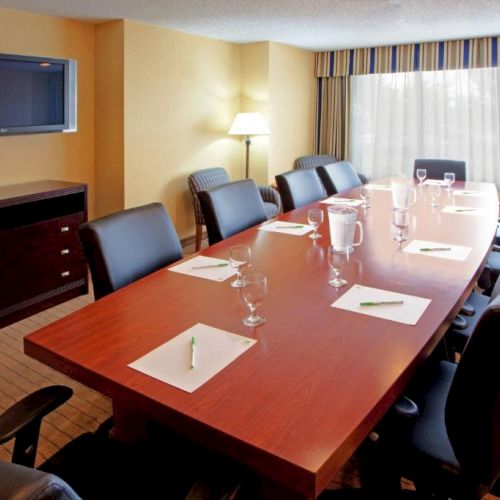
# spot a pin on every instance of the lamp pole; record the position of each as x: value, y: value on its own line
x: 247, y: 161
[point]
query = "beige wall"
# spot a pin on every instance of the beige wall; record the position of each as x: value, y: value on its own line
x: 255, y: 97
x: 292, y: 89
x: 109, y: 126
x: 69, y: 157
x: 181, y: 94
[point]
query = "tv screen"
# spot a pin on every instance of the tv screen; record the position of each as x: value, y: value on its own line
x: 37, y: 95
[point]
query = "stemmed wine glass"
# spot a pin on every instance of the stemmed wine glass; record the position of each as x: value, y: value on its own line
x: 254, y: 291
x: 421, y: 175
x: 449, y: 178
x: 315, y: 218
x: 337, y: 259
x: 365, y: 192
x: 400, y: 222
x: 435, y: 192
x: 239, y: 257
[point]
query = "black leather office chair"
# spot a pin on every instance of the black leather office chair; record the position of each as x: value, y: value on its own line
x: 125, y: 246
x: 231, y: 208
x: 437, y: 168
x: 452, y: 447
x: 94, y: 464
x: 208, y: 178
x: 299, y: 187
x: 315, y: 161
x: 338, y: 177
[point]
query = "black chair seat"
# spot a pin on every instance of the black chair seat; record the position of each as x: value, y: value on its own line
x: 428, y: 433
x: 338, y: 177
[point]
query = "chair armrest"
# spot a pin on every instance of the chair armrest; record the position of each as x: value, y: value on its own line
x: 363, y: 178
x: 496, y: 248
x: 271, y: 195
x: 31, y: 408
x: 18, y: 482
x: 405, y: 407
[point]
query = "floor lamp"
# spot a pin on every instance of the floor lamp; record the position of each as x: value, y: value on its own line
x: 248, y: 124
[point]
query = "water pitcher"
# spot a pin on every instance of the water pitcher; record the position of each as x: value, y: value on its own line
x: 401, y: 188
x: 342, y: 220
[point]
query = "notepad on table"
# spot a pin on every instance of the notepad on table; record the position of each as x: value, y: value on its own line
x: 285, y: 227
x: 404, y: 308
x: 454, y: 209
x: 205, y: 267
x: 435, y: 182
x: 171, y: 362
x: 342, y: 201
x: 441, y: 250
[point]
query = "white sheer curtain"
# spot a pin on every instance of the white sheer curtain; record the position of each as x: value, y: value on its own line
x: 398, y: 117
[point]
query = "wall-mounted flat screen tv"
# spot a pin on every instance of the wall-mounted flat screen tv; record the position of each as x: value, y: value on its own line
x: 37, y: 95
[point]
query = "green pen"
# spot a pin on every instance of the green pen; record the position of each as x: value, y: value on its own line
x: 193, y: 345
x: 465, y: 210
x: 434, y: 249
x: 382, y: 303
x: 290, y: 227
x: 221, y: 264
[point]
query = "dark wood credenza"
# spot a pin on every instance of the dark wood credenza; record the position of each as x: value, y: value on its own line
x: 41, y: 259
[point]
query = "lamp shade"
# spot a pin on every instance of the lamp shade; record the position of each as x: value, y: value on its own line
x: 249, y: 124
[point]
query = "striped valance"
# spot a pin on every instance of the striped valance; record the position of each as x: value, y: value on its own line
x: 430, y: 56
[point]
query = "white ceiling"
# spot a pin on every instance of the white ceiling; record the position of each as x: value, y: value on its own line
x: 316, y: 25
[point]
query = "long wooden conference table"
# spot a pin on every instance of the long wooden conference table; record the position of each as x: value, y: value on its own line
x: 296, y: 405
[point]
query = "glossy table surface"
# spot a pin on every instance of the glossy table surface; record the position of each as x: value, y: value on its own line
x: 297, y: 404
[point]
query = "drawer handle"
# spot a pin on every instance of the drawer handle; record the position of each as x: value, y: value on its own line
x: 64, y: 229
x: 65, y: 251
x: 64, y: 274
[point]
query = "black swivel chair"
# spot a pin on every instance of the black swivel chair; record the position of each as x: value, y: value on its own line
x: 299, y: 187
x: 231, y: 208
x: 437, y: 168
x: 94, y: 464
x: 125, y: 246
x: 338, y: 177
x: 451, y: 447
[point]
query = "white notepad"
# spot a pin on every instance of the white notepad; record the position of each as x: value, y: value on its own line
x: 435, y: 181
x: 209, y: 273
x: 456, y: 252
x: 471, y: 194
x: 454, y: 209
x: 380, y: 187
x: 295, y: 228
x: 408, y: 313
x: 343, y: 201
x: 214, y: 350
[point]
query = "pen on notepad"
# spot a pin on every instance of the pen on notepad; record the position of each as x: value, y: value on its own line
x: 434, y: 249
x: 382, y: 303
x: 465, y: 210
x: 193, y: 345
x: 221, y: 264
x: 291, y: 227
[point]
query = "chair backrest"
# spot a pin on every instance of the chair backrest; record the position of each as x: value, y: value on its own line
x: 18, y: 481
x: 437, y: 168
x: 231, y: 208
x: 203, y: 180
x: 299, y: 187
x: 338, y: 177
x: 473, y: 404
x: 313, y: 161
x: 122, y: 247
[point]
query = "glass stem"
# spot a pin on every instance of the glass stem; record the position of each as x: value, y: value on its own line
x: 238, y: 275
x: 252, y: 312
x: 337, y: 275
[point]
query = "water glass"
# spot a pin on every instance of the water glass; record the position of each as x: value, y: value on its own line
x: 400, y: 220
x: 421, y: 175
x: 435, y: 192
x: 239, y: 257
x: 254, y: 292
x: 365, y: 192
x: 449, y: 178
x: 337, y: 259
x: 315, y: 219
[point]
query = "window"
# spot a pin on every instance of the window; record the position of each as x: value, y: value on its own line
x: 398, y: 117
